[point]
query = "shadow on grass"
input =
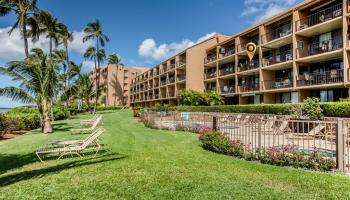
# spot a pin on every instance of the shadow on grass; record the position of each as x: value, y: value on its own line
x: 12, y: 161
x: 62, y: 126
x: 29, y: 174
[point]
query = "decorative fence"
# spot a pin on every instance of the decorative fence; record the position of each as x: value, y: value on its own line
x: 330, y: 136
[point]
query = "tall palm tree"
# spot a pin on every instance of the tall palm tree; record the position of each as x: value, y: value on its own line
x: 113, y: 59
x: 23, y: 9
x: 97, y: 57
x: 38, y: 79
x: 49, y: 25
x: 82, y: 89
x: 66, y: 38
x: 59, y: 55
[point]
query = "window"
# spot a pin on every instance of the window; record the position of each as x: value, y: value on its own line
x: 300, y: 44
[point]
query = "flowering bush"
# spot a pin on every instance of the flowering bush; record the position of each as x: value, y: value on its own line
x: 287, y: 155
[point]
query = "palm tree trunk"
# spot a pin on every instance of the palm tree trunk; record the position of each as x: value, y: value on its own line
x: 46, y: 117
x: 50, y: 47
x: 96, y: 85
x: 25, y: 38
x: 68, y: 66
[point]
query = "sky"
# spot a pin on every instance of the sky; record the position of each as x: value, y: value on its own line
x: 142, y: 32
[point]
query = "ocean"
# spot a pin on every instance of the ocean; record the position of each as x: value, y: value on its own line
x: 4, y: 109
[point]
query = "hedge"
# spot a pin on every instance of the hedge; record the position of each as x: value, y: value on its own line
x: 19, y: 121
x: 102, y: 108
x: 332, y: 109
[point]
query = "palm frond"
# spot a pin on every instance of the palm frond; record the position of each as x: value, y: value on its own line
x: 16, y: 94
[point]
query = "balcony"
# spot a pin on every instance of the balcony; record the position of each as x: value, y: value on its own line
x: 225, y: 52
x: 248, y: 65
x: 277, y: 59
x: 209, y: 75
x: 227, y: 70
x: 156, y: 96
x: 181, y: 63
x: 309, y: 24
x: 181, y: 77
x: 249, y: 87
x: 171, y: 94
x: 280, y: 83
x: 171, y: 80
x: 242, y: 47
x: 172, y: 66
x: 321, y: 78
x: 163, y: 82
x: 227, y: 89
x: 326, y: 46
x: 210, y: 59
x: 212, y: 89
x: 277, y: 33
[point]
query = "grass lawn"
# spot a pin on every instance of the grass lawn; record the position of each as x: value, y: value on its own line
x: 143, y: 163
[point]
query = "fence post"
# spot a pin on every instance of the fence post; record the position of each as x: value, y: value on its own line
x: 340, y: 144
x: 215, y: 123
x: 259, y: 133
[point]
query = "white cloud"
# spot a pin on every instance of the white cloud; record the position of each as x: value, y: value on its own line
x: 12, y: 46
x: 89, y: 65
x: 264, y: 9
x: 151, y: 51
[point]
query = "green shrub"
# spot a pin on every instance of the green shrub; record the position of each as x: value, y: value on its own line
x: 336, y: 109
x: 60, y: 113
x: 213, y: 141
x: 19, y: 121
x: 194, y: 98
x: 311, y: 108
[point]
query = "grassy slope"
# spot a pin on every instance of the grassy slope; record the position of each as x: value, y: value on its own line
x: 151, y: 164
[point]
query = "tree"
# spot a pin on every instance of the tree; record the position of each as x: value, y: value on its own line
x: 49, y: 25
x: 116, y: 60
x: 96, y: 56
x: 38, y: 79
x: 66, y: 37
x: 23, y: 9
x: 82, y: 89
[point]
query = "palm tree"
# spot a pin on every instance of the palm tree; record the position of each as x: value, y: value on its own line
x: 59, y: 55
x: 23, y: 9
x: 66, y: 37
x: 49, y: 25
x: 82, y: 89
x: 97, y: 57
x: 113, y: 59
x: 38, y: 79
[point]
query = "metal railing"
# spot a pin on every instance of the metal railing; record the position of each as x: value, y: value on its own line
x: 163, y: 82
x: 172, y: 66
x: 242, y: 47
x: 225, y: 52
x: 279, y: 83
x: 321, y: 78
x: 228, y: 89
x: 249, y: 87
x: 210, y: 59
x: 171, y: 80
x: 328, y: 138
x: 321, y: 47
x: 181, y: 77
x: 277, y: 33
x: 248, y: 65
x: 227, y: 70
x: 210, y: 75
x: 212, y: 89
x: 279, y: 58
x: 320, y: 17
x: 181, y: 63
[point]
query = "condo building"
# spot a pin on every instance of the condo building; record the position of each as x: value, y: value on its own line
x: 114, y: 83
x: 302, y: 52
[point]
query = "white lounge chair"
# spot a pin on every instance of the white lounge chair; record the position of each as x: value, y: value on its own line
x: 86, y: 122
x: 95, y: 125
x: 91, y: 143
x: 310, y: 135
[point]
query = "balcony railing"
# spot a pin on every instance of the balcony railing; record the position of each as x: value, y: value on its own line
x: 181, y: 63
x: 171, y: 95
x: 171, y: 80
x: 321, y: 78
x: 163, y: 82
x: 321, y: 47
x: 249, y: 65
x: 249, y: 87
x: 212, y: 89
x: 242, y: 47
x: 227, y: 89
x: 227, y: 70
x: 279, y: 58
x: 210, y: 75
x: 210, y: 59
x: 156, y: 96
x: 320, y: 17
x: 277, y: 33
x: 181, y: 77
x: 279, y: 83
x: 172, y: 66
x: 225, y: 52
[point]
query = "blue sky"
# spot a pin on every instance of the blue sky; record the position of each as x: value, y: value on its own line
x: 142, y: 32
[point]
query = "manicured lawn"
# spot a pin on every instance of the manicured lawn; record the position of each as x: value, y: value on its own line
x: 143, y: 163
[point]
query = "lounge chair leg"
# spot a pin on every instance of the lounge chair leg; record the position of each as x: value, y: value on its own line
x: 37, y: 154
